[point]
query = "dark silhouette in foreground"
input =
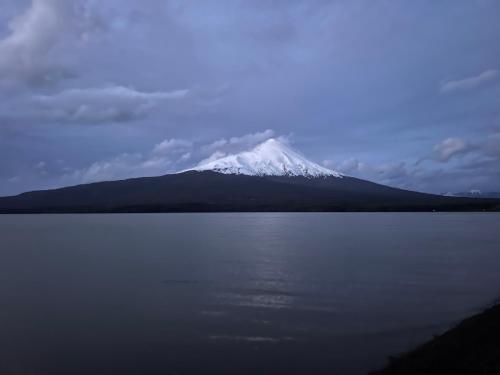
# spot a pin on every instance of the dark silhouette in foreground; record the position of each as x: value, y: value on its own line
x: 471, y: 348
x: 215, y: 192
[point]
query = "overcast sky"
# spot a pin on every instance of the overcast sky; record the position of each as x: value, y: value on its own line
x: 405, y: 93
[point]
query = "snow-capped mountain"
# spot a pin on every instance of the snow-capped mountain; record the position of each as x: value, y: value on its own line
x: 270, y: 158
x: 269, y: 178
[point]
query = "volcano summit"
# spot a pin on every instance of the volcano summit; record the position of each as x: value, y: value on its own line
x: 270, y: 158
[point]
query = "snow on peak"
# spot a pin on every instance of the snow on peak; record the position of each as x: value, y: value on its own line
x: 270, y: 158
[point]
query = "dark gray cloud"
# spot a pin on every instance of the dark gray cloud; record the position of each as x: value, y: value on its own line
x: 405, y: 93
x: 28, y: 50
x: 102, y: 105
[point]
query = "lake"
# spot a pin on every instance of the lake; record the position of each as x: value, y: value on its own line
x: 263, y: 293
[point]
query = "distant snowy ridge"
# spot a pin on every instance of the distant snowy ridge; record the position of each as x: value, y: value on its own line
x: 270, y: 158
x: 474, y: 193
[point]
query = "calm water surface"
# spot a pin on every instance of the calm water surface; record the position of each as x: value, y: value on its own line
x: 235, y: 293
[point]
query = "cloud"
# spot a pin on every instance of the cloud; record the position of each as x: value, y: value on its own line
x: 387, y: 172
x: 250, y: 140
x: 236, y: 144
x: 449, y: 148
x: 225, y: 146
x: 107, y: 104
x: 123, y: 166
x: 41, y: 165
x: 13, y: 179
x: 401, y: 174
x: 346, y: 167
x: 392, y: 171
x: 25, y: 53
x: 163, y: 158
x: 215, y: 145
x: 469, y: 82
x: 487, y: 148
x: 216, y: 155
x: 172, y: 146
x: 479, y: 169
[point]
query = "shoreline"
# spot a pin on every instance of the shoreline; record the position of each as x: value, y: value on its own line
x: 471, y: 347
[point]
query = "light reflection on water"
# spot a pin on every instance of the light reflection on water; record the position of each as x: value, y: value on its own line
x: 187, y: 293
x: 267, y: 300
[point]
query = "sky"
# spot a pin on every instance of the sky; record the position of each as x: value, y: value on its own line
x: 404, y: 93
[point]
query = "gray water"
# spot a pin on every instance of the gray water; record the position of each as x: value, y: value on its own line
x: 236, y: 293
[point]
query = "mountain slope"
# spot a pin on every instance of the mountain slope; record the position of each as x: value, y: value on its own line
x: 210, y: 191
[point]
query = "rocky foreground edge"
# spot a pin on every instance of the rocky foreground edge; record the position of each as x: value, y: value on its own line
x: 470, y: 348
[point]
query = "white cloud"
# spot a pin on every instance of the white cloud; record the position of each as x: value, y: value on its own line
x: 186, y: 156
x: 469, y: 82
x: 164, y: 158
x: 347, y: 167
x: 237, y: 144
x: 215, y: 145
x: 172, y: 146
x: 250, y: 140
x: 350, y: 165
x: 112, y: 92
x: 216, y: 155
x: 40, y: 165
x: 449, y: 148
x: 106, y: 104
x: 391, y: 173
x: 122, y: 166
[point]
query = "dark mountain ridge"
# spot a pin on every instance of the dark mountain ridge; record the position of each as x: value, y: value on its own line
x: 208, y: 191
